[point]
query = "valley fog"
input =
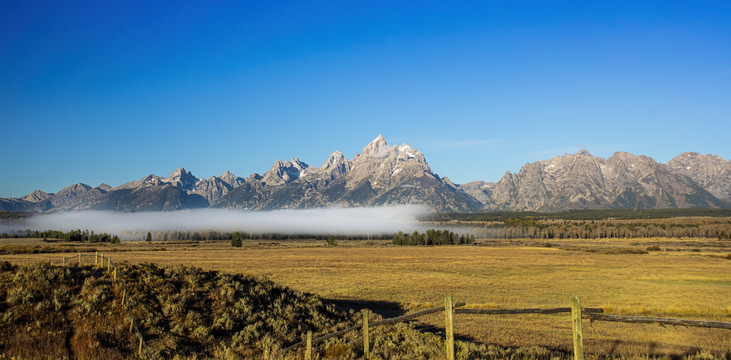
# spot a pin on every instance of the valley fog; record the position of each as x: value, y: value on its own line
x: 341, y: 221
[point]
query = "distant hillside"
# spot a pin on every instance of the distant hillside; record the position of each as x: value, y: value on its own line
x: 385, y: 174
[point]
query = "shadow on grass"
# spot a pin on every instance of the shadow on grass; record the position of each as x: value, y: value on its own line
x: 439, y: 331
x: 388, y: 309
x: 385, y: 309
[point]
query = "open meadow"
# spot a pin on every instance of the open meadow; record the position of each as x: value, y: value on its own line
x: 665, y: 277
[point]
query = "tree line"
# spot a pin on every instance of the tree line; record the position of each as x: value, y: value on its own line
x: 228, y: 235
x: 432, y: 237
x: 90, y: 236
x: 73, y: 235
x: 532, y: 229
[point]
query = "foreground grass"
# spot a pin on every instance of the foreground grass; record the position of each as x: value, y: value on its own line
x: 686, y: 279
x: 75, y: 312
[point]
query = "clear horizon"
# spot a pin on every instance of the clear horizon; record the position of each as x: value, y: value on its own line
x: 108, y: 93
x: 204, y: 176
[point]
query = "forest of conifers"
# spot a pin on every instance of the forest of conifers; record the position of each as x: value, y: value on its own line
x: 566, y: 229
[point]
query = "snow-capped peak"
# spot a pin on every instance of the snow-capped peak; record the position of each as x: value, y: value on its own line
x: 407, y: 150
x: 375, y: 146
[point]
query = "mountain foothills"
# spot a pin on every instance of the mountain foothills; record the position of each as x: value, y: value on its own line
x: 388, y: 175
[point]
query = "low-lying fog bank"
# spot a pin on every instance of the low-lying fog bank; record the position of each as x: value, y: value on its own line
x: 339, y: 221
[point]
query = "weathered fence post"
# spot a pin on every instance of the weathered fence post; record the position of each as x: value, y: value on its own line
x: 79, y: 258
x: 139, y: 351
x: 114, y: 273
x: 308, y: 348
x: 96, y: 258
x: 576, y: 326
x: 366, y: 342
x: 124, y: 296
x: 63, y: 261
x: 131, y: 323
x: 449, y: 327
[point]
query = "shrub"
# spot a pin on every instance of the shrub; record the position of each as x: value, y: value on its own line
x: 331, y: 241
x: 338, y: 351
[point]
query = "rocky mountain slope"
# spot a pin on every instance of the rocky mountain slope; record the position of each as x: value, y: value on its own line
x: 480, y: 190
x: 385, y: 174
x: 709, y: 171
x: 380, y: 175
x: 582, y: 181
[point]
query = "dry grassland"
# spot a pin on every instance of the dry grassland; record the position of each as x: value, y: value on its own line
x: 686, y: 279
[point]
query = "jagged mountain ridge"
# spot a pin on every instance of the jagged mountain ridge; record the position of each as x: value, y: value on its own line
x: 399, y: 174
x: 379, y: 175
x: 583, y: 181
x: 709, y: 171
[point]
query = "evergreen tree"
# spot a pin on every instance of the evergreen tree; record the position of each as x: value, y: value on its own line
x: 236, y: 239
x: 149, y: 236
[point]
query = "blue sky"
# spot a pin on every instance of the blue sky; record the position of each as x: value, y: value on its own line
x: 110, y: 91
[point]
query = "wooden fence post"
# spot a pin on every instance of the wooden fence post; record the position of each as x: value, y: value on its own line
x: 114, y: 273
x: 124, y: 296
x: 63, y: 261
x: 366, y: 342
x: 96, y: 258
x: 131, y: 323
x: 576, y: 326
x: 79, y: 258
x: 308, y: 349
x: 449, y: 327
x: 139, y: 351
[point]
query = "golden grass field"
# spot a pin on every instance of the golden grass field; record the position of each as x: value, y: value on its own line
x: 688, y: 278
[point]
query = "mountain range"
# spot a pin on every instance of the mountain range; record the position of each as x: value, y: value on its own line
x: 385, y: 174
